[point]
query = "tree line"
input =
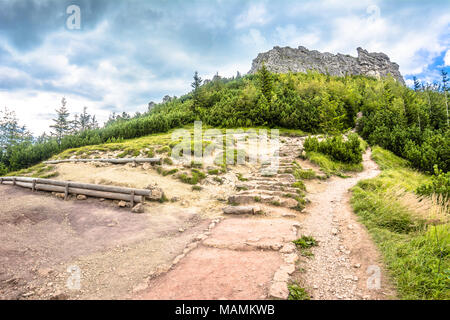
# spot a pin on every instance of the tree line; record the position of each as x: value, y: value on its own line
x: 413, y: 123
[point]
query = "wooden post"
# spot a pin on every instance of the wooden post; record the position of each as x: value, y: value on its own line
x: 66, y: 191
x: 33, y: 187
x: 14, y: 181
x: 1, y: 180
x: 132, y: 199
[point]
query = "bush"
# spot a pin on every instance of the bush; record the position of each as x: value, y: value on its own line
x: 440, y: 184
x: 337, y: 148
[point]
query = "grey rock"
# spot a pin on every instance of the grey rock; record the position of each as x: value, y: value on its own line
x: 139, y: 208
x: 283, y: 60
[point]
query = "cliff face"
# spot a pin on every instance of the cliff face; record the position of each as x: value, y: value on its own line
x: 282, y: 60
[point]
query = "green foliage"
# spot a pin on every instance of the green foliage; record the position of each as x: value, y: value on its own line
x: 305, y: 242
x: 213, y: 171
x: 337, y: 148
x: 411, y: 124
x: 297, y: 293
x: 196, y: 177
x: 414, y: 251
x: 440, y: 185
x: 330, y: 166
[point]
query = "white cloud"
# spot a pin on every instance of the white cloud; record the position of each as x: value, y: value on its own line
x: 253, y: 38
x: 256, y: 14
x: 447, y: 58
x: 292, y: 36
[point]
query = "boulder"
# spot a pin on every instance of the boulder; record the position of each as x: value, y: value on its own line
x: 122, y: 204
x: 241, y: 210
x: 139, y: 208
x: 81, y: 197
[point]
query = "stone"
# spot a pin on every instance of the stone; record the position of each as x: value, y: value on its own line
x: 289, y: 203
x: 281, y: 276
x: 284, y: 60
x: 288, y: 248
x: 288, y: 268
x: 146, y: 166
x: 156, y: 194
x: 59, y: 296
x: 140, y: 287
x: 44, y: 272
x: 139, y: 208
x: 289, y: 215
x: 241, y: 210
x: 290, y: 258
x: 28, y: 294
x: 122, y: 204
x: 279, y: 290
x: 60, y: 195
x: 178, y: 259
x: 334, y: 231
x: 357, y: 265
x: 81, y: 197
x: 241, y: 199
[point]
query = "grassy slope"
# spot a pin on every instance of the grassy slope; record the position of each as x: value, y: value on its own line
x: 332, y: 167
x: 411, y: 245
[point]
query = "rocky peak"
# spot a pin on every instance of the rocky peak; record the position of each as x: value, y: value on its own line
x: 282, y: 60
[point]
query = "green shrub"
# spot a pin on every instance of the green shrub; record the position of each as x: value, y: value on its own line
x: 349, y: 151
x: 305, y: 242
x: 440, y: 184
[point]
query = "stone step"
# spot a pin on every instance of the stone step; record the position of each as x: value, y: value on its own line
x: 284, y: 194
x: 266, y: 187
x: 241, y: 210
x: 240, y: 199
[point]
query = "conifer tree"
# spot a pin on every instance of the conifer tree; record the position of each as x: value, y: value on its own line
x: 61, y: 124
x: 266, y: 81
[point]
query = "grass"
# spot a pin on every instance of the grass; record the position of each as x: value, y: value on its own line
x: 297, y: 293
x: 195, y: 177
x: 305, y: 242
x: 331, y: 167
x: 41, y: 170
x: 412, y: 233
x: 213, y: 171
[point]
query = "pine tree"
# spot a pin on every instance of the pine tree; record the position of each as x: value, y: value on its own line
x: 197, y: 82
x: 85, y: 120
x: 94, y: 123
x: 11, y: 132
x: 417, y: 85
x: 196, y: 92
x: 265, y: 78
x: 445, y: 89
x: 62, y: 124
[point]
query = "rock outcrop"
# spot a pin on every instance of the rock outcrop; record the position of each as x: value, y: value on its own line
x: 283, y: 60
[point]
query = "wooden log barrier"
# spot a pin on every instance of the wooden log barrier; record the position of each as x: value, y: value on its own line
x: 78, y: 185
x: 91, y: 190
x: 114, y: 161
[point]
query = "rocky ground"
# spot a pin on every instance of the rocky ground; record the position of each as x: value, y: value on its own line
x: 196, y: 246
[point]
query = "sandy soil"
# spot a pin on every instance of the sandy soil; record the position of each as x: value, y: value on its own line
x: 346, y: 256
x: 41, y: 236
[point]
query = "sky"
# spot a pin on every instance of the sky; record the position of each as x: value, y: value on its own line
x: 120, y: 55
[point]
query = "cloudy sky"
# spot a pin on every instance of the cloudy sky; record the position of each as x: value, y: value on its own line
x: 127, y: 53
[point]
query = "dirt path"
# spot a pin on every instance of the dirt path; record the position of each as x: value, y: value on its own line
x: 188, y: 249
x: 253, y: 257
x: 346, y: 264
